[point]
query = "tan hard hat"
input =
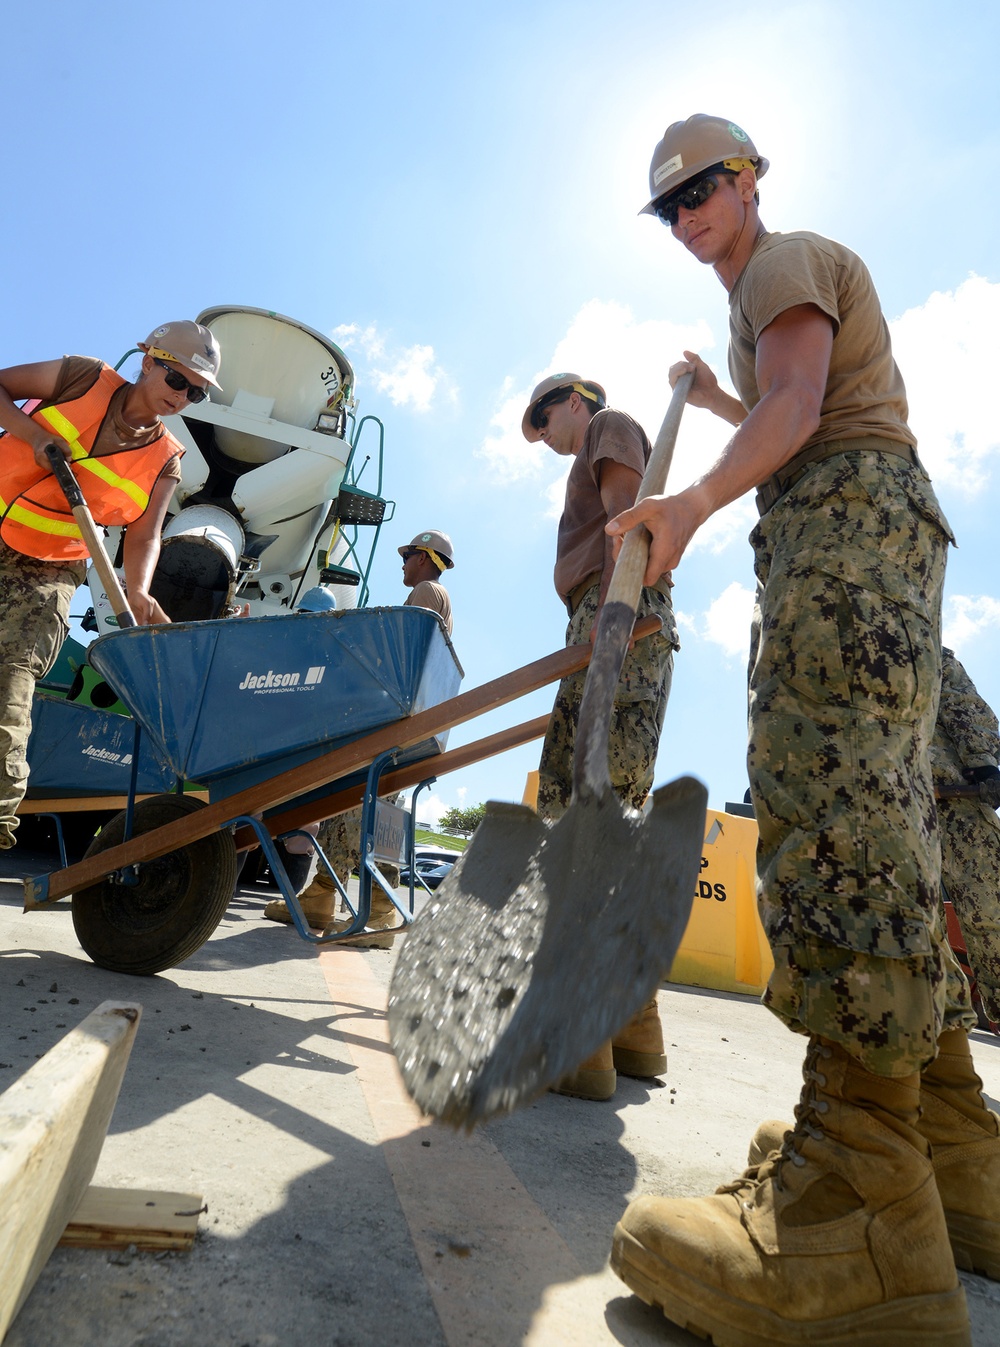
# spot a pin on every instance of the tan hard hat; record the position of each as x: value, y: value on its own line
x: 436, y: 543
x: 689, y: 148
x: 585, y: 387
x: 187, y: 343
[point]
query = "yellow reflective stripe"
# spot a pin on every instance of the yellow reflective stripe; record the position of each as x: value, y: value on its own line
x: 41, y: 523
x: 122, y: 484
x: 64, y: 427
x: 70, y: 434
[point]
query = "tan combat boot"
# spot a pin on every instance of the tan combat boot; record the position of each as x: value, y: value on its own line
x: 638, y: 1048
x: 594, y: 1078
x: 317, y: 903
x: 964, y: 1137
x: 840, y: 1238
x: 381, y: 929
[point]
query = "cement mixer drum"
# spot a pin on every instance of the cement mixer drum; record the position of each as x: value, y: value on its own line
x: 275, y: 360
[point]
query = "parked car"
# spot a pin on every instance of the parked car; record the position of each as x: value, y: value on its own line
x: 428, y: 871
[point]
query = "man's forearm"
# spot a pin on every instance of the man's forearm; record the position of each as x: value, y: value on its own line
x: 766, y: 438
x: 728, y: 408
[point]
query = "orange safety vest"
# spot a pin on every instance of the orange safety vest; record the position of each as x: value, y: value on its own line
x: 34, y: 515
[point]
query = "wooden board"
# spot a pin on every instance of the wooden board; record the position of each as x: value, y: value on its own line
x: 309, y: 776
x: 53, y: 1122
x: 340, y: 801
x: 320, y: 771
x: 78, y: 804
x: 114, y: 1218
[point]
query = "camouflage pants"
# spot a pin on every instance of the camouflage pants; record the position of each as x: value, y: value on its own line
x: 970, y: 869
x: 638, y: 713
x: 340, y: 840
x: 34, y: 621
x: 844, y: 682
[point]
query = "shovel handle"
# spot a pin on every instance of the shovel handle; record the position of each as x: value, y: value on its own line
x: 95, y: 543
x: 626, y: 583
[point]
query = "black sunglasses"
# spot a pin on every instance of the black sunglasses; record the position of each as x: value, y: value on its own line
x: 411, y: 552
x: 174, y: 379
x: 668, y: 207
x: 539, y: 417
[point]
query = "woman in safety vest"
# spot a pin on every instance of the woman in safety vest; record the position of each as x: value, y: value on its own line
x: 127, y: 465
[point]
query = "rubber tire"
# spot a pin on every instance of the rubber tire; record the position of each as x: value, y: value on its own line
x: 177, y: 904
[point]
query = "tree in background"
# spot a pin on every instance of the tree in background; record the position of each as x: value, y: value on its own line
x: 463, y: 820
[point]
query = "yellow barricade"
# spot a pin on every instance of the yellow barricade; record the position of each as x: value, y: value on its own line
x: 724, y: 946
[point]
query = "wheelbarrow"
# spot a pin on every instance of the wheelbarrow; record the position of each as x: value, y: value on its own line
x: 283, y: 721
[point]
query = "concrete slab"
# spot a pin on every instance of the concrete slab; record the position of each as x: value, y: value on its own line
x: 261, y: 1076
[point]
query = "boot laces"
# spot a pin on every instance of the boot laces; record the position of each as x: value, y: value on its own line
x: 808, y: 1115
x: 809, y: 1110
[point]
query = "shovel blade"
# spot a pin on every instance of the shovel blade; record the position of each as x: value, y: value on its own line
x: 542, y: 942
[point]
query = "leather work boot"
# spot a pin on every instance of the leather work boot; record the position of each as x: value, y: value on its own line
x: 964, y: 1137
x: 839, y: 1238
x: 381, y: 930
x: 317, y: 905
x: 594, y: 1078
x: 638, y: 1048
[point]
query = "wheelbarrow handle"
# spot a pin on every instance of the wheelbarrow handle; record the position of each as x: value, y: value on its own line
x: 95, y: 543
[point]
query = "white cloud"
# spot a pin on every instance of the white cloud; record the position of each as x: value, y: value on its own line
x: 410, y: 375
x: 948, y: 350
x: 725, y: 622
x: 430, y: 807
x: 966, y: 616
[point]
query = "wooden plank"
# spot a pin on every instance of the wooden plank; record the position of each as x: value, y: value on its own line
x: 340, y: 801
x: 76, y: 804
x: 114, y: 1218
x: 310, y: 776
x: 52, y: 1126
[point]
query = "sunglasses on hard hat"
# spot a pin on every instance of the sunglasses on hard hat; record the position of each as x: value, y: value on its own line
x: 174, y: 379
x: 690, y: 197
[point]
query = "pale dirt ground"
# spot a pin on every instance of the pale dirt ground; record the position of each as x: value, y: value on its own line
x: 335, y: 1217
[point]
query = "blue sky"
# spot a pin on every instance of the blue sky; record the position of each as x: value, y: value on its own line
x: 452, y: 193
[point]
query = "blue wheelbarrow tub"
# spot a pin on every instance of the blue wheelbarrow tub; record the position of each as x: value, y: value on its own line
x: 229, y: 697
x: 81, y: 750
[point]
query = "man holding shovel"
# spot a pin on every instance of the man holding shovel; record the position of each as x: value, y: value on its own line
x: 126, y: 465
x: 891, y: 1171
x: 609, y: 451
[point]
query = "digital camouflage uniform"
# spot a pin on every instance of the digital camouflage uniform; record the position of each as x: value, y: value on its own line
x: 340, y: 840
x: 637, y: 719
x: 34, y: 620
x: 844, y: 681
x: 966, y: 737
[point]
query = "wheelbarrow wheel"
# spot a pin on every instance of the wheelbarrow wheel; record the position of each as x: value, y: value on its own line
x: 177, y: 903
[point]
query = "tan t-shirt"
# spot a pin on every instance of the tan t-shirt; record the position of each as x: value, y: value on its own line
x: 427, y: 594
x: 580, y: 544
x: 77, y: 375
x: 864, y: 389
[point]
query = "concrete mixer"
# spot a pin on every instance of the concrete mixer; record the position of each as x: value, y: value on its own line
x: 270, y: 501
